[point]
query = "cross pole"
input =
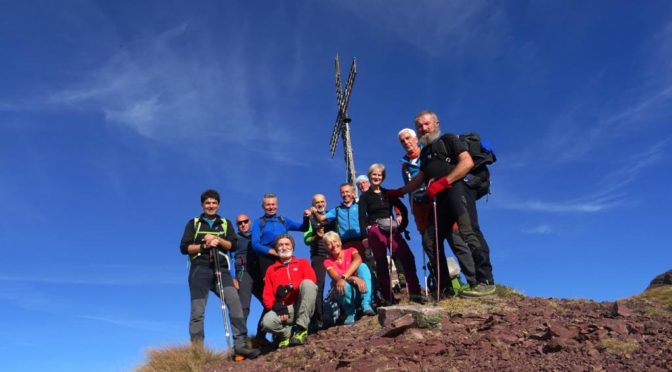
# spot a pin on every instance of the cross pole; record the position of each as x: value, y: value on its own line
x: 342, y: 125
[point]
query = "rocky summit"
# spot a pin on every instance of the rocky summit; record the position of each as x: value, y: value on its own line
x: 508, y: 332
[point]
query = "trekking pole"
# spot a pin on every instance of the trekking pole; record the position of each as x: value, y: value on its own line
x: 436, y: 244
x: 220, y: 291
x: 424, y: 271
x: 389, y: 265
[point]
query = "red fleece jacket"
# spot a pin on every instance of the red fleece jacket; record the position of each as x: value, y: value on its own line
x: 280, y: 274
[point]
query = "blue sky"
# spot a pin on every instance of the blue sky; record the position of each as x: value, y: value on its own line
x: 114, y: 116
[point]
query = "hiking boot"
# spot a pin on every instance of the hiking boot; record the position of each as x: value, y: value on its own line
x: 300, y: 337
x: 262, y: 342
x: 284, y: 343
x: 368, y: 310
x: 417, y: 298
x: 480, y: 290
x: 248, y: 353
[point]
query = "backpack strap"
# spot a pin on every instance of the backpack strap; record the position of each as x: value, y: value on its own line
x: 439, y: 150
x: 197, y: 229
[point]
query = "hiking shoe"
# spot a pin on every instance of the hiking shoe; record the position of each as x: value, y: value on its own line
x: 248, y: 353
x: 368, y: 310
x: 262, y: 342
x: 349, y: 320
x: 480, y: 290
x: 284, y: 343
x: 417, y: 298
x: 300, y: 337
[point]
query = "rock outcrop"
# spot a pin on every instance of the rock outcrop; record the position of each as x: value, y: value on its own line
x: 512, y: 333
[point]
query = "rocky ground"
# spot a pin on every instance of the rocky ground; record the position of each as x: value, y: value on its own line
x: 508, y: 332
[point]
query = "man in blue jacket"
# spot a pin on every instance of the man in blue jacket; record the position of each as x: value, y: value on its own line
x: 264, y: 231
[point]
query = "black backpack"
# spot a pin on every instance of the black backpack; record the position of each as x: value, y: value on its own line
x: 482, y: 154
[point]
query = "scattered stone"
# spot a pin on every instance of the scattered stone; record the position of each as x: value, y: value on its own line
x: 427, y: 317
x: 619, y: 309
x: 616, y: 326
x: 529, y: 334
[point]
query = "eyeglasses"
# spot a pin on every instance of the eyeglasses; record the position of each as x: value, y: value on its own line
x: 243, y: 222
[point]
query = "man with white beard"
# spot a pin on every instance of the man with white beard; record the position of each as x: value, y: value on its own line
x: 445, y: 162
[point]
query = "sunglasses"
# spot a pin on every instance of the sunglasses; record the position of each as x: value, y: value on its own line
x: 243, y: 222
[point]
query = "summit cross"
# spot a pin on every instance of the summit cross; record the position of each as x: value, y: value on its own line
x: 342, y: 125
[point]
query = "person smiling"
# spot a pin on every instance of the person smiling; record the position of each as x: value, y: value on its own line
x: 375, y: 211
x: 350, y: 279
x: 203, y: 237
x: 289, y: 295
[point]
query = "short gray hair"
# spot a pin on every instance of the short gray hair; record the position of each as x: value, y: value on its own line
x: 409, y: 130
x: 361, y: 178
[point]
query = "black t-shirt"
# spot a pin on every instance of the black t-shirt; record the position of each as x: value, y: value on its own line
x: 440, y: 157
x: 374, y: 205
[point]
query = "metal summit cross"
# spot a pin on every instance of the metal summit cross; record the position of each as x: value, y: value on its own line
x: 342, y: 125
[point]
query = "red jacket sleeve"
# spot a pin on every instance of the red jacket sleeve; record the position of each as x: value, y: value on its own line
x: 269, y: 291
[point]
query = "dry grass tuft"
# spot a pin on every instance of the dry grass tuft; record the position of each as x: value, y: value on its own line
x: 661, y: 294
x: 618, y: 347
x: 656, y: 301
x: 181, y: 358
x: 508, y: 292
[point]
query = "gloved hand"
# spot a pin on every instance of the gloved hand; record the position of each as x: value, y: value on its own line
x: 396, y: 193
x: 280, y: 310
x: 280, y: 294
x: 436, y: 187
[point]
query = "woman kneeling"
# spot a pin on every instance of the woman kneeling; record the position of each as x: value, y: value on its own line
x: 351, y: 279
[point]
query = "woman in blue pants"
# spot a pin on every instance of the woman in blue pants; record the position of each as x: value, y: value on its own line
x: 351, y: 280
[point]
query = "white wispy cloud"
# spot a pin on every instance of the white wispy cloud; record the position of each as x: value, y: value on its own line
x: 155, y: 87
x: 610, y: 192
x: 538, y: 230
x: 141, y: 325
x: 439, y: 28
x: 106, y: 275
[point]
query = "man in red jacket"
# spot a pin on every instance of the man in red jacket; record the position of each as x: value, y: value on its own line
x: 289, y: 295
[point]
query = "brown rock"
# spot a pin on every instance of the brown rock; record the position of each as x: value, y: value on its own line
x: 558, y: 329
x: 617, y: 326
x: 619, y: 309
x: 398, y: 326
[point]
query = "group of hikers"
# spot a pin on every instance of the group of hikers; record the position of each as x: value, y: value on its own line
x: 349, y: 243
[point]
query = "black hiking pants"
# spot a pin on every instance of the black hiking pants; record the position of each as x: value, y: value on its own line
x: 317, y: 263
x: 481, y: 253
x: 458, y: 204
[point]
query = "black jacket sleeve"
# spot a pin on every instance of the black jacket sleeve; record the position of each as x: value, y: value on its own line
x: 187, y: 237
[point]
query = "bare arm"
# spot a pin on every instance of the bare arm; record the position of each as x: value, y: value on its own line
x: 464, y: 165
x: 414, y: 184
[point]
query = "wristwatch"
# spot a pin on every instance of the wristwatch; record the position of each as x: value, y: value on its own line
x: 344, y: 277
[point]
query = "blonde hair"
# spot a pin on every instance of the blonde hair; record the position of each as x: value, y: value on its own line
x: 376, y: 166
x: 331, y: 236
